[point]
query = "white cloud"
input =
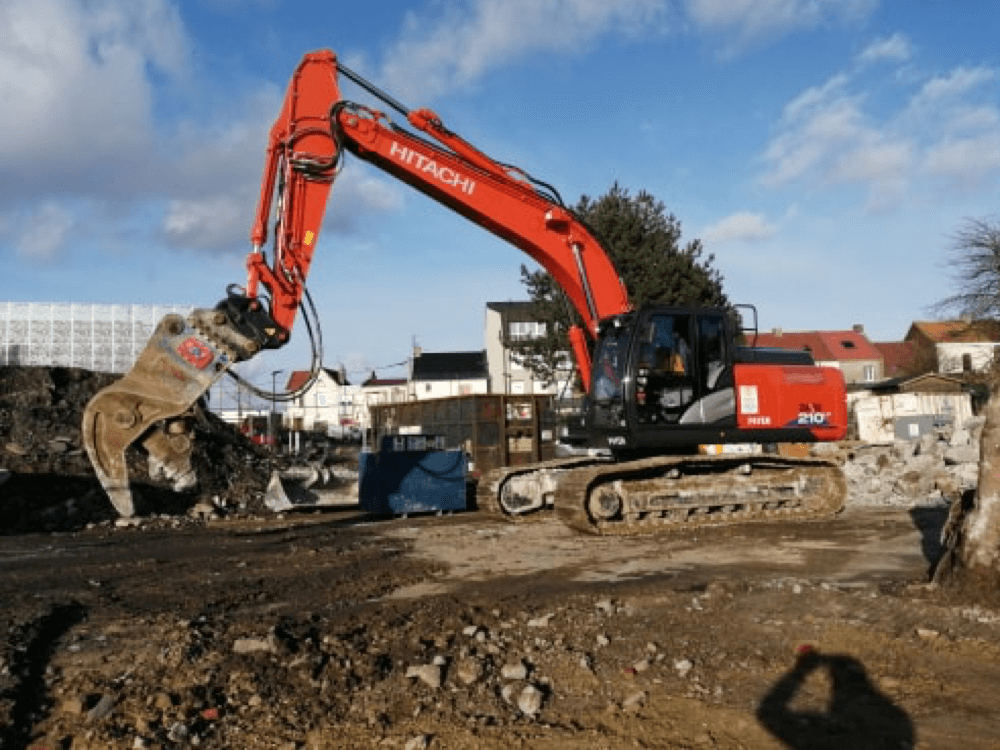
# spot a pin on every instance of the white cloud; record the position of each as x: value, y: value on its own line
x: 221, y: 221
x: 73, y: 79
x: 837, y: 134
x: 209, y: 224
x: 817, y: 126
x: 747, y: 22
x: 895, y: 48
x: 467, y: 40
x: 966, y: 160
x: 41, y: 231
x: 739, y: 227
x: 954, y: 84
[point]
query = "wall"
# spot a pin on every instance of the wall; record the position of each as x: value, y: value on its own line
x: 877, y: 416
x: 951, y: 356
x: 421, y: 390
x: 327, y: 403
x: 103, y: 338
x: 854, y: 370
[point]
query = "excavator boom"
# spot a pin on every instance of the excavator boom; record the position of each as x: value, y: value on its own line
x: 154, y: 402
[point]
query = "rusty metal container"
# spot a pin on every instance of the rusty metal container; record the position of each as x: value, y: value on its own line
x: 494, y: 430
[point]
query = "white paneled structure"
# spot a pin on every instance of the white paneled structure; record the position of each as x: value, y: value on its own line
x: 104, y: 338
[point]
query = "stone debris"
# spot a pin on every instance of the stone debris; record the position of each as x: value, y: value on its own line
x: 429, y: 674
x: 49, y: 483
x: 936, y: 469
x: 530, y: 700
x: 515, y: 671
x: 253, y: 646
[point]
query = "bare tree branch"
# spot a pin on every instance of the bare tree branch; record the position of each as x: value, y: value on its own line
x: 975, y: 268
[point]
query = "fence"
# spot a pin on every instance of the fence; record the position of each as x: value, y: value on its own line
x: 104, y: 338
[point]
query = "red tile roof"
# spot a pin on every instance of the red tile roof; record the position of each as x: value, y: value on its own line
x: 371, y: 382
x: 899, y: 357
x: 825, y: 346
x: 299, y: 377
x: 954, y: 331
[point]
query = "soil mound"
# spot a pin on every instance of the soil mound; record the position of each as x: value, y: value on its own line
x: 47, y: 482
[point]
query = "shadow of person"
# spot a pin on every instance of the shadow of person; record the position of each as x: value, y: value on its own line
x: 856, y: 714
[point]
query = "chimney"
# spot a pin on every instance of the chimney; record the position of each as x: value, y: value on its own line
x: 858, y: 328
x: 417, y: 351
x: 776, y: 332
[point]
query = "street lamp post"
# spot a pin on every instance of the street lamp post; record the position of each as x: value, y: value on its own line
x: 274, y: 391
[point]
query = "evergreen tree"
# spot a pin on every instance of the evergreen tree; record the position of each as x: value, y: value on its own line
x: 643, y: 241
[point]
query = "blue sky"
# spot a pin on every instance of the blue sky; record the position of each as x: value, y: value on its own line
x: 826, y: 151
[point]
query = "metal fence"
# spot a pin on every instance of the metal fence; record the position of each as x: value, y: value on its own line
x: 104, y: 338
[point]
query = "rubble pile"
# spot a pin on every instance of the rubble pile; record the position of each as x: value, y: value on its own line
x: 214, y: 682
x: 935, y: 469
x: 47, y: 482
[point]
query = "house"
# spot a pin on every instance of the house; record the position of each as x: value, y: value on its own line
x: 376, y: 390
x: 507, y: 322
x: 849, y: 351
x: 331, y: 402
x: 958, y: 346
x: 442, y: 374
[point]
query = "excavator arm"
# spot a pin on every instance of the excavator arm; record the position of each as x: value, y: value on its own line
x: 155, y: 402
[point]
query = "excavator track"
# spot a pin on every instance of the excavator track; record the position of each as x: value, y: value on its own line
x: 683, y: 492
x: 524, y: 493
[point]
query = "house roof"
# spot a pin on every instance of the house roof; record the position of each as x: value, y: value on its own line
x: 514, y: 312
x: 898, y: 357
x: 298, y: 378
x: 809, y: 341
x: 825, y: 346
x: 374, y: 382
x: 927, y: 382
x: 510, y: 307
x: 450, y: 366
x: 956, y: 331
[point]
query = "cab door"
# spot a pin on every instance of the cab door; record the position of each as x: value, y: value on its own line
x: 683, y: 371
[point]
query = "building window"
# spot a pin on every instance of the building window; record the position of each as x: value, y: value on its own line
x: 320, y: 399
x: 427, y: 388
x: 869, y: 373
x: 525, y: 330
x: 966, y: 363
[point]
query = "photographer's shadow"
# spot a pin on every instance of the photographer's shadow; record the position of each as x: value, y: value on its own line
x: 857, y: 715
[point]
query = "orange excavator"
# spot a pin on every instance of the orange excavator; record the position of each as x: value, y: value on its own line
x: 660, y: 380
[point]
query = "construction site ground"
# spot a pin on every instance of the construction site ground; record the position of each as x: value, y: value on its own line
x: 210, y: 621
x: 339, y: 630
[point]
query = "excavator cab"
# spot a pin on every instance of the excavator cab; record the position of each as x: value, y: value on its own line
x: 673, y: 378
x: 662, y: 369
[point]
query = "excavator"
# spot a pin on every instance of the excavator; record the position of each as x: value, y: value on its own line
x: 660, y: 380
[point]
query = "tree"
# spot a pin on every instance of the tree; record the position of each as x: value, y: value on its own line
x: 975, y: 269
x: 644, y: 243
x: 971, y: 558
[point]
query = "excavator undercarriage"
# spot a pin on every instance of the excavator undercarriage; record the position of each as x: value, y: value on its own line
x: 665, y: 493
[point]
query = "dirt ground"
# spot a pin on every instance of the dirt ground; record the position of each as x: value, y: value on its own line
x: 211, y: 622
x: 340, y: 630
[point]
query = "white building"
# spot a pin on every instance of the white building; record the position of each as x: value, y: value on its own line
x: 507, y: 322
x: 329, y: 404
x: 443, y: 374
x: 103, y: 338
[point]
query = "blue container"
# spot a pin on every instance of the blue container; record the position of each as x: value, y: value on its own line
x: 412, y: 474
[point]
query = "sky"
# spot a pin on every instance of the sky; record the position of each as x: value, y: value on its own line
x: 826, y: 152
